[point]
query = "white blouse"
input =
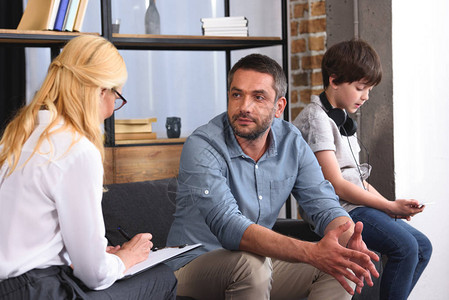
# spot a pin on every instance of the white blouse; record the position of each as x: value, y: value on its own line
x: 50, y: 211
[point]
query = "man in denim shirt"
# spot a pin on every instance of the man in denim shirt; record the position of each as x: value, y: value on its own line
x: 236, y: 173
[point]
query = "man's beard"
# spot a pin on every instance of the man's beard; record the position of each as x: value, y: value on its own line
x: 256, y: 132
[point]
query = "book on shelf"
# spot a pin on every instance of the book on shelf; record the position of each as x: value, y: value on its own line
x: 135, y: 121
x: 130, y: 142
x: 69, y: 19
x: 228, y: 21
x: 225, y: 26
x: 79, y: 19
x: 39, y: 15
x: 54, y: 12
x: 124, y: 128
x: 226, y: 31
x: 134, y: 125
x: 60, y: 16
x: 135, y: 136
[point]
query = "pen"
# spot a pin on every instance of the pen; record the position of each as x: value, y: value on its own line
x: 180, y: 246
x: 123, y: 233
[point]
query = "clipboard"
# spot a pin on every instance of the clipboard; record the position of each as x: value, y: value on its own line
x: 157, y: 257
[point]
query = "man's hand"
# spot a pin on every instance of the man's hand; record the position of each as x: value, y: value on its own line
x: 356, y: 243
x: 334, y: 259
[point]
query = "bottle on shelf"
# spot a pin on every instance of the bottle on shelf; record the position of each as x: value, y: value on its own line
x: 152, y: 19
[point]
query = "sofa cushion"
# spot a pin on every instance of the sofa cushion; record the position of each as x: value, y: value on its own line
x: 137, y: 207
x: 295, y: 228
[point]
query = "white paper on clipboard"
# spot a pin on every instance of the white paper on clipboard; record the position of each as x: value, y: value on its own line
x: 157, y: 257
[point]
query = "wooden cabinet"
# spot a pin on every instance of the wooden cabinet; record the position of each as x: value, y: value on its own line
x: 140, y: 163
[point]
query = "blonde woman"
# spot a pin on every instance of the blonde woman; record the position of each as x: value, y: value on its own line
x: 51, y: 177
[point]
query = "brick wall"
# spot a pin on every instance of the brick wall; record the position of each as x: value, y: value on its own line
x: 308, y: 40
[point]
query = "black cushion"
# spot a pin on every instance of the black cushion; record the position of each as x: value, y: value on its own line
x: 295, y: 228
x: 137, y: 207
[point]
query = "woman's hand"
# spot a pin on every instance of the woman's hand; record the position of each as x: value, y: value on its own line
x: 135, y: 250
x: 112, y: 249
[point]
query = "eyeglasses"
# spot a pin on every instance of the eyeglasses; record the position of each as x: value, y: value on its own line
x: 119, y: 102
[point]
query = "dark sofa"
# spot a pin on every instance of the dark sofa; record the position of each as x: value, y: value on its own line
x: 148, y: 206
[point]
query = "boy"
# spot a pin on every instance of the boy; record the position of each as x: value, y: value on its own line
x: 350, y: 70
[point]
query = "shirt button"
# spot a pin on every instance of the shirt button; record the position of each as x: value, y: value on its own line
x: 260, y: 197
x: 257, y: 167
x: 206, y: 192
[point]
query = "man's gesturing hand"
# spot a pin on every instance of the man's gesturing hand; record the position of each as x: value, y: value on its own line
x: 354, y: 263
x: 356, y: 243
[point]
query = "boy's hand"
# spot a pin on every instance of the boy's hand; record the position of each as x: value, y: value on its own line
x: 404, y: 208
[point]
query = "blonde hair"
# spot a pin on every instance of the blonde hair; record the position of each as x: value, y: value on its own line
x: 71, y: 91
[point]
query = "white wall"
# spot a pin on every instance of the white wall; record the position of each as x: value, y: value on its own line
x: 421, y: 126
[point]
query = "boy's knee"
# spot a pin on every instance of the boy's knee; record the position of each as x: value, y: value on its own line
x: 408, y: 250
x: 425, y: 250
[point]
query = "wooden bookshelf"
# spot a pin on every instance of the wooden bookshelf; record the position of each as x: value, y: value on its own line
x: 159, y: 158
x: 191, y: 42
x: 38, y: 38
x: 49, y: 38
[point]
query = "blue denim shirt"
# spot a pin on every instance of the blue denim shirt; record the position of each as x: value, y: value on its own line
x: 221, y: 190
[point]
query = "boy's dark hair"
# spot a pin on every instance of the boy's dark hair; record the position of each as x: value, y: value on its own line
x: 351, y: 61
x: 263, y: 64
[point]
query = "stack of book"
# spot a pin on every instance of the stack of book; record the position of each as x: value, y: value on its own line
x: 225, y: 26
x: 60, y: 15
x: 134, y: 131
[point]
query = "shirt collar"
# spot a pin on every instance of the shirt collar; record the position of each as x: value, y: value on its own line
x: 316, y: 100
x: 44, y: 117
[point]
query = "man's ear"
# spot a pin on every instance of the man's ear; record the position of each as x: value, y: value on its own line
x: 280, y: 106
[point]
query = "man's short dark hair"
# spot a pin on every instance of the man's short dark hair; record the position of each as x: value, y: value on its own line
x: 263, y: 64
x: 351, y: 61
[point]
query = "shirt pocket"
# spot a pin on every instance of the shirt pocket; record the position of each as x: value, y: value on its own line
x: 280, y: 191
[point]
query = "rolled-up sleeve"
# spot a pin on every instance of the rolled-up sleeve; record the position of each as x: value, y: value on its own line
x: 316, y: 196
x: 203, y: 177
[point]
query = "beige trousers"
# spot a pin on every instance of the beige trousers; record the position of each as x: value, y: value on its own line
x: 223, y: 274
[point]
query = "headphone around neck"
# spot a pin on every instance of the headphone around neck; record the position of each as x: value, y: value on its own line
x: 346, y: 125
